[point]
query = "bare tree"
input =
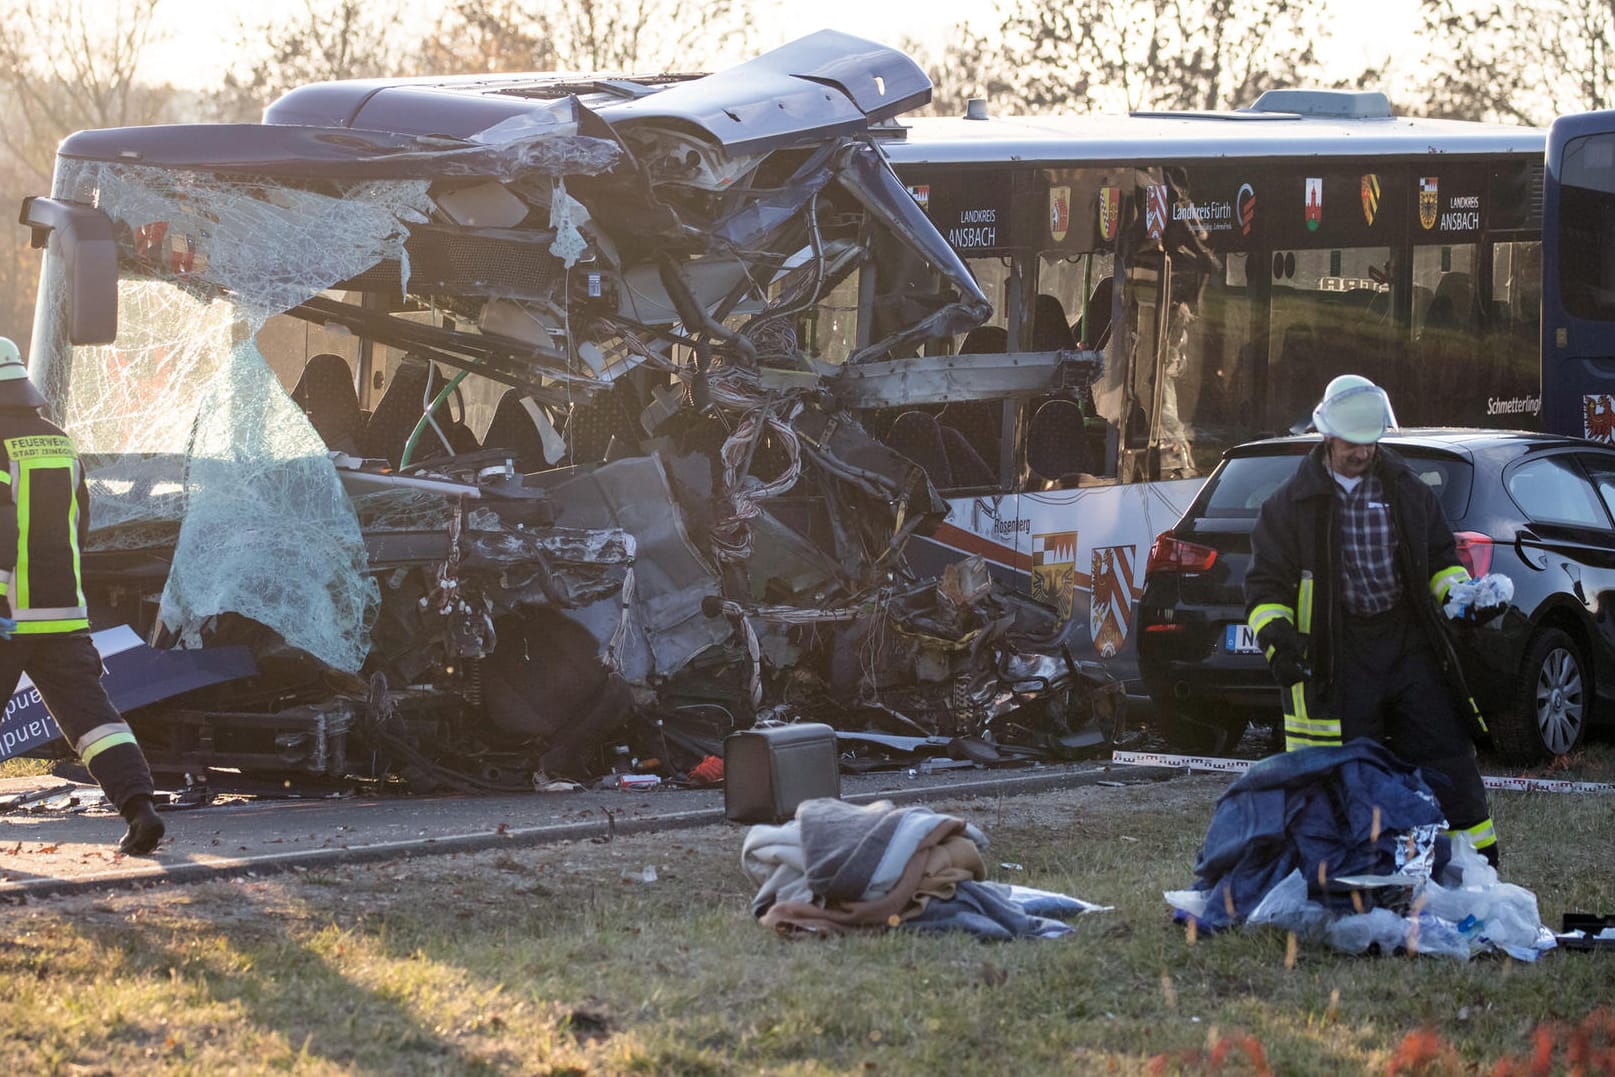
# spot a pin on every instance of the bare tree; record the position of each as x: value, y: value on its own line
x: 341, y: 39
x: 970, y: 65
x: 631, y: 36
x: 1089, y: 55
x: 473, y: 36
x: 328, y: 39
x: 64, y: 67
x: 1525, y: 61
x: 68, y: 66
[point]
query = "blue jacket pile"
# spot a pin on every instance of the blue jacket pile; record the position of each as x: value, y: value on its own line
x: 1312, y: 807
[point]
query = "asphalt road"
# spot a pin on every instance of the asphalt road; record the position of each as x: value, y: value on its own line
x: 67, y: 843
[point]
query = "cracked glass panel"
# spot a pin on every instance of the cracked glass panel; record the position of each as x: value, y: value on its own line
x: 184, y: 425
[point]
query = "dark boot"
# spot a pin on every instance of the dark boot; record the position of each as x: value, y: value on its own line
x: 145, y: 827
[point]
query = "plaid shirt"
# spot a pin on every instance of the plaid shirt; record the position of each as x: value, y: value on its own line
x: 1368, y: 548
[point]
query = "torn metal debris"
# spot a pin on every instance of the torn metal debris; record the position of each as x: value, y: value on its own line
x: 517, y: 427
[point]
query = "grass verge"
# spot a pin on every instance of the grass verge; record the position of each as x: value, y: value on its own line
x: 548, y: 961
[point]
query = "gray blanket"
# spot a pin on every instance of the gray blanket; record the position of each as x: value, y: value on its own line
x: 853, y: 853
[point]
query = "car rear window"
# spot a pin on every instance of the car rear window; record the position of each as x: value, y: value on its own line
x: 1246, y: 481
x: 1449, y: 476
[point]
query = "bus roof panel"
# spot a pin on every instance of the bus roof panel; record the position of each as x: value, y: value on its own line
x: 1158, y: 137
x: 825, y: 84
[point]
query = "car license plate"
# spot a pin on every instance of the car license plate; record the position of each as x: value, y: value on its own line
x: 1239, y: 639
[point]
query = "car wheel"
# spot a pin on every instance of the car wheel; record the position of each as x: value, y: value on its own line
x: 1202, y: 731
x: 1552, y: 702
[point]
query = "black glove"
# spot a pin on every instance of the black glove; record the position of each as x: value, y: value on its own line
x: 1286, y: 658
x: 1485, y: 614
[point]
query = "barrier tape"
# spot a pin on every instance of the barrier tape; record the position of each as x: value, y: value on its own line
x: 1237, y: 766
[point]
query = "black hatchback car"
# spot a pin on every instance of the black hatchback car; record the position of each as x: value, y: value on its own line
x: 1538, y: 508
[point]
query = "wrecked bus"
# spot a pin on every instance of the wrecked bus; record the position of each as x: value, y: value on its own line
x: 504, y: 428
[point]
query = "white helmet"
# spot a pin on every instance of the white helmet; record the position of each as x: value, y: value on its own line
x: 1354, y: 409
x: 16, y: 391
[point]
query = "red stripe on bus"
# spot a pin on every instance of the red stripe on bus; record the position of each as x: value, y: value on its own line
x: 957, y: 538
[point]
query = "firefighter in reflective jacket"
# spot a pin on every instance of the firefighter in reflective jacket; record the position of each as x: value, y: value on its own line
x: 44, y: 518
x: 1351, y: 561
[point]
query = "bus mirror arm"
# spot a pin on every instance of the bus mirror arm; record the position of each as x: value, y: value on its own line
x: 89, y: 253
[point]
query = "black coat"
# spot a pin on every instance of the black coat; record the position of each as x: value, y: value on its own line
x: 1299, y: 530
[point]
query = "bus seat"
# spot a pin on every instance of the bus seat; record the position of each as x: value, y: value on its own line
x: 1442, y: 315
x: 1297, y: 379
x: 978, y: 422
x: 985, y: 340
x: 1094, y: 328
x: 513, y: 430
x: 918, y: 436
x: 1458, y: 289
x: 387, y: 433
x: 325, y: 393
x: 612, y: 416
x: 396, y: 412
x: 966, y: 467
x: 1056, y: 442
x: 1049, y: 329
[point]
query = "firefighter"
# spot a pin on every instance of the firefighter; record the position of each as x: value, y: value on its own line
x: 44, y: 519
x: 1351, y: 561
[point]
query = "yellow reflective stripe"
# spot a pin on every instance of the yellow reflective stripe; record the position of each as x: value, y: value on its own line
x: 1302, y: 730
x: 1312, y: 727
x: 43, y: 628
x: 1268, y: 612
x: 117, y: 736
x: 46, y: 452
x: 1442, y: 581
x: 73, y: 529
x: 22, y: 532
x: 105, y: 729
x: 1480, y: 719
x: 51, y: 613
x: 1294, y: 743
x: 1481, y: 834
x: 5, y: 477
x: 1303, y: 605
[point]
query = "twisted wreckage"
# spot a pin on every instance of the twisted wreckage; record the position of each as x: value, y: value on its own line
x: 604, y: 495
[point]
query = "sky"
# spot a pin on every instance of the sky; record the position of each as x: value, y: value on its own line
x: 1363, y: 31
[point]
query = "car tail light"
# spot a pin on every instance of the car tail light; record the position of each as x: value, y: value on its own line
x: 1170, y: 554
x: 1474, y: 550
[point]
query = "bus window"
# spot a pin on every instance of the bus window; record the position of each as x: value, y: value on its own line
x: 1586, y: 233
x: 1516, y: 297
x: 1213, y: 369
x: 1082, y: 284
x: 1329, y: 315
x: 1514, y: 319
x: 1442, y: 362
x: 1443, y: 288
x: 828, y: 331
